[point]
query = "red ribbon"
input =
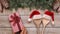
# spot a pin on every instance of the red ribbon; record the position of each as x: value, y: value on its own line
x: 15, y: 19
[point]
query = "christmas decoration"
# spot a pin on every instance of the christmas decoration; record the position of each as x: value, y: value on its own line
x: 51, y: 14
x: 56, y: 5
x: 35, y: 17
x: 1, y: 8
x: 58, y: 9
x: 39, y: 18
x: 38, y: 4
x: 48, y: 17
x: 16, y: 23
x: 4, y: 4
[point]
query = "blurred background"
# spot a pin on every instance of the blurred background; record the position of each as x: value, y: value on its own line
x: 37, y: 4
x: 25, y: 7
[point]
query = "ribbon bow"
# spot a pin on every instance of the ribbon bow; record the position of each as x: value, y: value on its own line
x: 15, y: 19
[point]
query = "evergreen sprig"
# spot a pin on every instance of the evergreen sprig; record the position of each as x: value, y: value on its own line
x: 39, y: 4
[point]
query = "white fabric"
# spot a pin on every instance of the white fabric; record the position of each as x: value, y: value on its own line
x: 41, y: 16
x: 29, y: 19
x: 49, y: 18
x: 53, y: 22
x: 37, y: 16
x: 46, y: 16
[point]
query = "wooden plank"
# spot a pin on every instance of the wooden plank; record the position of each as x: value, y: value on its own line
x: 5, y: 31
x: 4, y: 22
x: 31, y: 30
x: 21, y: 12
x: 5, y: 27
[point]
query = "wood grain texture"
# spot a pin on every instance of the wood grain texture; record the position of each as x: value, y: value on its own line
x: 31, y: 30
x: 4, y: 22
x: 5, y: 27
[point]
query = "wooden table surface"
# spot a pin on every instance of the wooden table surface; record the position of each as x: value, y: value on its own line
x: 5, y: 27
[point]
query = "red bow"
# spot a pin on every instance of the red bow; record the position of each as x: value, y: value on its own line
x: 15, y: 19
